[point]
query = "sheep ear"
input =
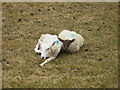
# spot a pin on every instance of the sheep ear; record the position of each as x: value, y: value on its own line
x: 72, y: 40
x: 60, y: 39
x: 53, y: 43
x: 40, y: 42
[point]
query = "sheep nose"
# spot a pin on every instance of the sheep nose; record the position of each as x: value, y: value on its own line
x: 42, y: 57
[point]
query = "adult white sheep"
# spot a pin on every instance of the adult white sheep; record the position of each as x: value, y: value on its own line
x: 48, y: 46
x: 71, y: 41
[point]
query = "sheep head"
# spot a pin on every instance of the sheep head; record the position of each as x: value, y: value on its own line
x: 66, y: 43
x: 47, y: 48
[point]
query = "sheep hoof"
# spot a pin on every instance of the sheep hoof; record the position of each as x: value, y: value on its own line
x: 41, y: 64
x: 35, y: 50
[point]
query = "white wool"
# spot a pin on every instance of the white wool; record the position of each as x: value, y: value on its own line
x: 69, y: 35
x: 46, y: 41
x: 47, y: 38
x: 65, y: 34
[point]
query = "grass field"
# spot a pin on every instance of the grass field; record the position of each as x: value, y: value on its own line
x: 94, y: 66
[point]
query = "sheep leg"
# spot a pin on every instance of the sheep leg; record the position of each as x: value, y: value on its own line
x: 36, y: 48
x: 51, y: 58
x: 47, y: 60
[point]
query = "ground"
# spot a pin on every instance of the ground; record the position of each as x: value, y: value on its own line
x: 94, y: 66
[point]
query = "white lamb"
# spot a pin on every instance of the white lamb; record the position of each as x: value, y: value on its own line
x: 71, y: 41
x: 48, y: 46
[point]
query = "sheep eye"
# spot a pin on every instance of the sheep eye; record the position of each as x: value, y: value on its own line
x: 39, y: 48
x: 47, y: 49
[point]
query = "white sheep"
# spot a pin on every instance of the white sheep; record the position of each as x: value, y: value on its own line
x: 48, y: 46
x: 71, y: 41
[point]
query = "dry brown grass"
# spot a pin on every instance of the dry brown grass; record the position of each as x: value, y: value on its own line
x: 95, y: 65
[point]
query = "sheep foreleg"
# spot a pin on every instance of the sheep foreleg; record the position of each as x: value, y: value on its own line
x: 47, y: 60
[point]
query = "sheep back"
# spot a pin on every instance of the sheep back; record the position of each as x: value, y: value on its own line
x: 69, y: 35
